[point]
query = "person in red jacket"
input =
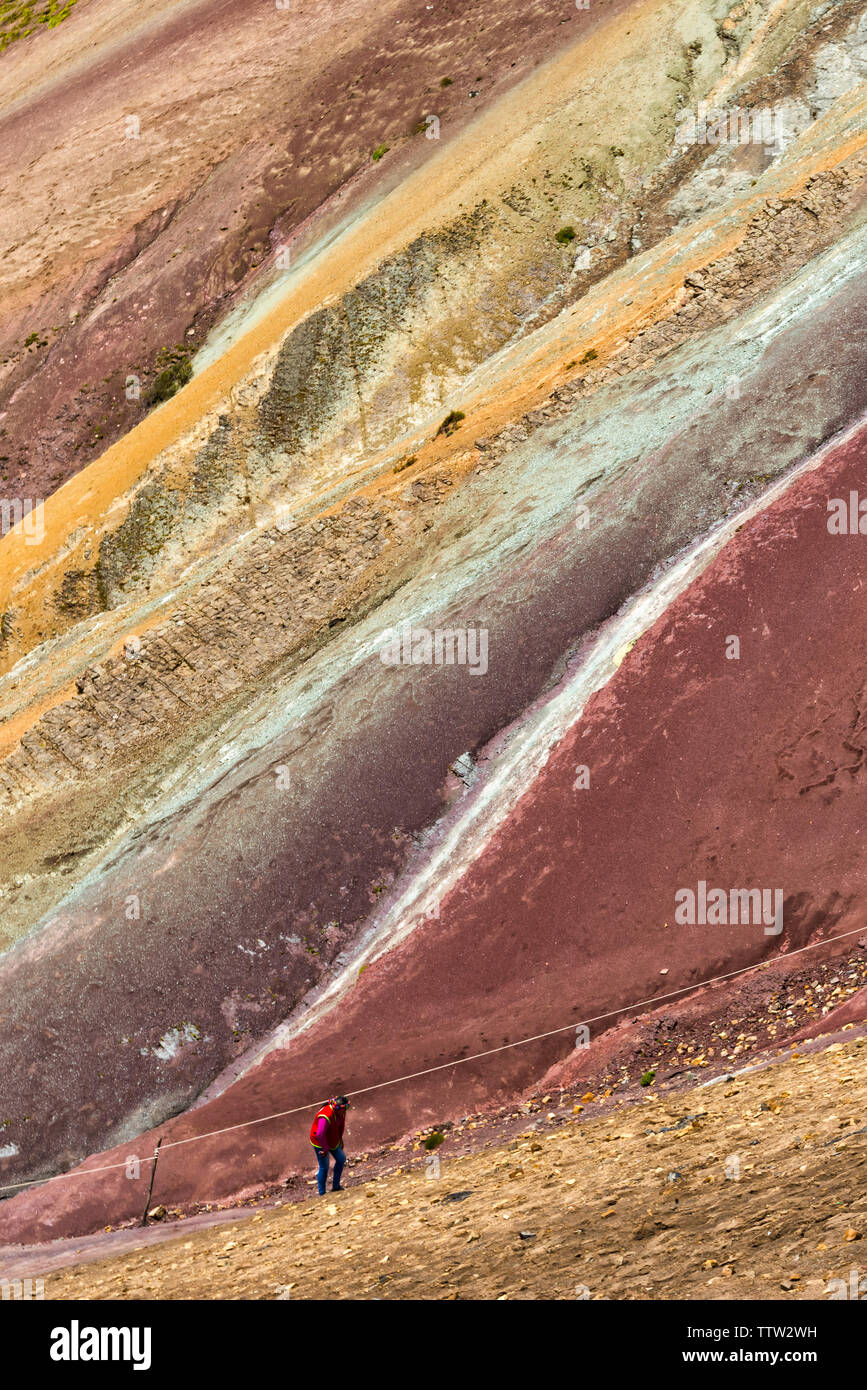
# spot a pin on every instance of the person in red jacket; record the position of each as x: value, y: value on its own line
x: 326, y: 1136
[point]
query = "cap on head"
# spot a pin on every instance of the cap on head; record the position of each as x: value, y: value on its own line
x: 342, y: 1101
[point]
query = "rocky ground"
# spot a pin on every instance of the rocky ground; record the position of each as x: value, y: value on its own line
x: 749, y: 1188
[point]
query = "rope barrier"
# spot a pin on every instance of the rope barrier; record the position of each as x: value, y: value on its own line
x: 442, y: 1066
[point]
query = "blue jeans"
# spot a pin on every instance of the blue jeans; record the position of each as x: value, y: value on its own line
x: 322, y: 1176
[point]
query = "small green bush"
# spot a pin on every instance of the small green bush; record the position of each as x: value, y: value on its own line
x: 647, y: 1078
x: 176, y: 370
x: 451, y: 422
x: 565, y: 235
x: 379, y: 152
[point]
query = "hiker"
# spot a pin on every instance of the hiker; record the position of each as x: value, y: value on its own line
x: 326, y: 1136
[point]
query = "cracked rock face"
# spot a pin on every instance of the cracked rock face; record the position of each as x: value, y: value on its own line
x: 371, y: 697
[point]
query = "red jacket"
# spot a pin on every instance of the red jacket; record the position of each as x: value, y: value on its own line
x: 326, y: 1131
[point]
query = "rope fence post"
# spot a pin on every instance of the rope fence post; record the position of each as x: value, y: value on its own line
x: 144, y: 1215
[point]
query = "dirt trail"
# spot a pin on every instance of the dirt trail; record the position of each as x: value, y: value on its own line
x: 749, y: 1188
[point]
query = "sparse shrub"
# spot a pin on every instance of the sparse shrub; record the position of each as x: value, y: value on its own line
x: 565, y: 235
x: 445, y: 81
x: 590, y: 356
x: 176, y: 370
x: 434, y: 1139
x: 19, y: 18
x: 451, y: 422
x: 647, y: 1078
x: 379, y: 152
x: 405, y: 463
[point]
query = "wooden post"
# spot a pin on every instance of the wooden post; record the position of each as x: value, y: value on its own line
x: 144, y: 1215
